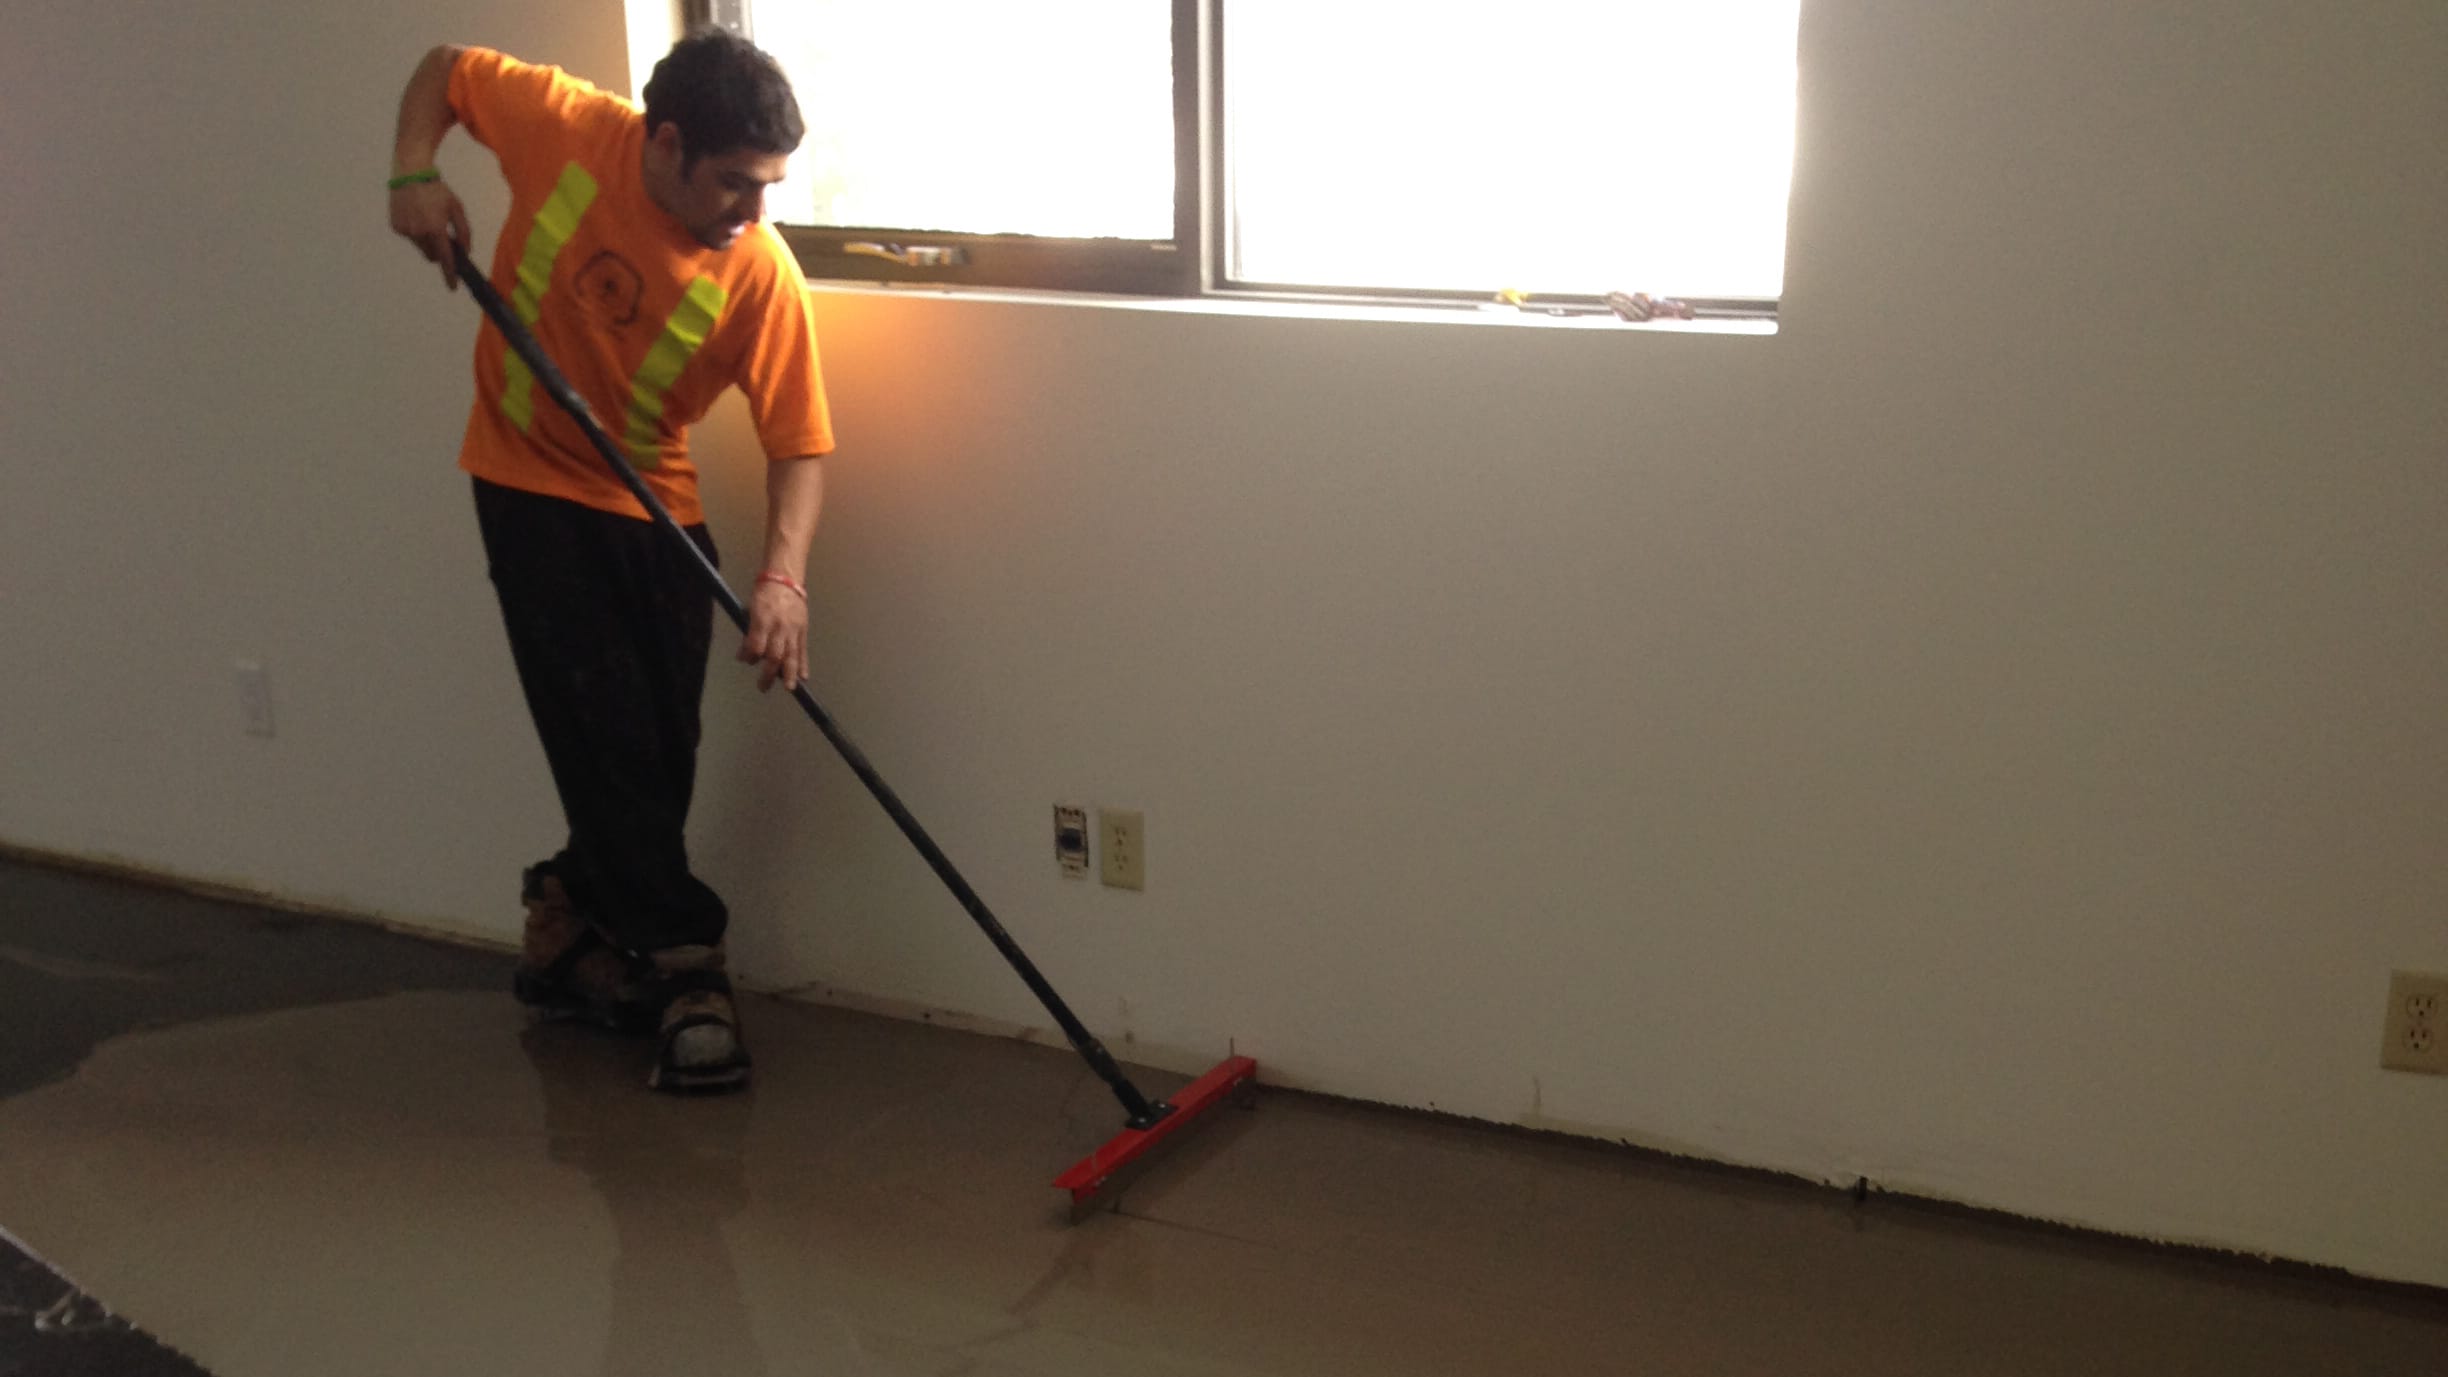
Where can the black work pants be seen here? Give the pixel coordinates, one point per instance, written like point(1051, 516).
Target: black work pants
point(610, 624)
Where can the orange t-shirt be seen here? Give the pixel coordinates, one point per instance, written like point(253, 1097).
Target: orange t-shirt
point(648, 325)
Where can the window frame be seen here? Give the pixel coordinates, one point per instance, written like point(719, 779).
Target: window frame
point(1195, 262)
point(1127, 267)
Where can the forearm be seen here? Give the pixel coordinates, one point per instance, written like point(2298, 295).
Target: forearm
point(425, 112)
point(794, 497)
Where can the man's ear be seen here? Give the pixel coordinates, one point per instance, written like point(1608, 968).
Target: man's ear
point(665, 140)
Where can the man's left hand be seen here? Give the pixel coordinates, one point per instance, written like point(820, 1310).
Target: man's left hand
point(777, 636)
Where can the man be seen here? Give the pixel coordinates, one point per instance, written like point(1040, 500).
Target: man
point(635, 252)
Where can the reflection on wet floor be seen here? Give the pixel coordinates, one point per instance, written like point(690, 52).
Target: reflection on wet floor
point(290, 1146)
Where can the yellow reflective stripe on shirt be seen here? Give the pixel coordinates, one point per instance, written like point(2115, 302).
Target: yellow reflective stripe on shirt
point(550, 233)
point(691, 321)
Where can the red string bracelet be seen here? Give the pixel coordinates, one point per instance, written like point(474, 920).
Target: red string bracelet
point(769, 576)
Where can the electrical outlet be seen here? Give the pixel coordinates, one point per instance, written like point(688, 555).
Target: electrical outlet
point(1123, 849)
point(254, 698)
point(1071, 841)
point(2417, 1025)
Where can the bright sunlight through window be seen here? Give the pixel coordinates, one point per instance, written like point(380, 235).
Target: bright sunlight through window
point(1562, 148)
point(979, 116)
point(1553, 146)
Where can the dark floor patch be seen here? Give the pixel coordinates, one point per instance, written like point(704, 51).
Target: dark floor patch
point(84, 960)
point(49, 1328)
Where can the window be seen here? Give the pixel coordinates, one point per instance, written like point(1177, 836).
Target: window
point(1359, 149)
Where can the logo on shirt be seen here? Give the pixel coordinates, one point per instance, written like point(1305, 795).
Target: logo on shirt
point(611, 287)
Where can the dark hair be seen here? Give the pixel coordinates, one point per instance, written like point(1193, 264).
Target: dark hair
point(725, 93)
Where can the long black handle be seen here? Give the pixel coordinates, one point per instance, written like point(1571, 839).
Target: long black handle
point(1141, 1112)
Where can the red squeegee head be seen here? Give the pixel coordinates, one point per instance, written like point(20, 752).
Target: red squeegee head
point(1092, 1172)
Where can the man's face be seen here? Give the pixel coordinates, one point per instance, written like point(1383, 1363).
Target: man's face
point(724, 194)
point(719, 196)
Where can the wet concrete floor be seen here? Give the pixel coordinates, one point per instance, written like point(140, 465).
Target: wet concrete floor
point(292, 1146)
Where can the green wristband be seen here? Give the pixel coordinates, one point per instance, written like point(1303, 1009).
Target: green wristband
point(430, 174)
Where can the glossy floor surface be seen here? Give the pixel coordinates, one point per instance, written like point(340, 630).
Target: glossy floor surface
point(296, 1146)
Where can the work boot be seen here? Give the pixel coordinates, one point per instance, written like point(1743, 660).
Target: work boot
point(568, 970)
point(701, 1048)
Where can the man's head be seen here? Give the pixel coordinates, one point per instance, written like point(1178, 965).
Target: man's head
point(720, 126)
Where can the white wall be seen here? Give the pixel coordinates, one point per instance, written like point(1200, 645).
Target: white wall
point(1985, 737)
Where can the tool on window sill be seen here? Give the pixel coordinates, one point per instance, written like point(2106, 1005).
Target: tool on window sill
point(912, 255)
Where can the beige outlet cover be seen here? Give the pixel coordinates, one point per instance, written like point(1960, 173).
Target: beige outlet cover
point(2416, 1036)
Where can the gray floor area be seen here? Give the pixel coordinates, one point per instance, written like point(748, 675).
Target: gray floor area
point(292, 1146)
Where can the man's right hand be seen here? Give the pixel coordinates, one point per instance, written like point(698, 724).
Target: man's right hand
point(428, 215)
